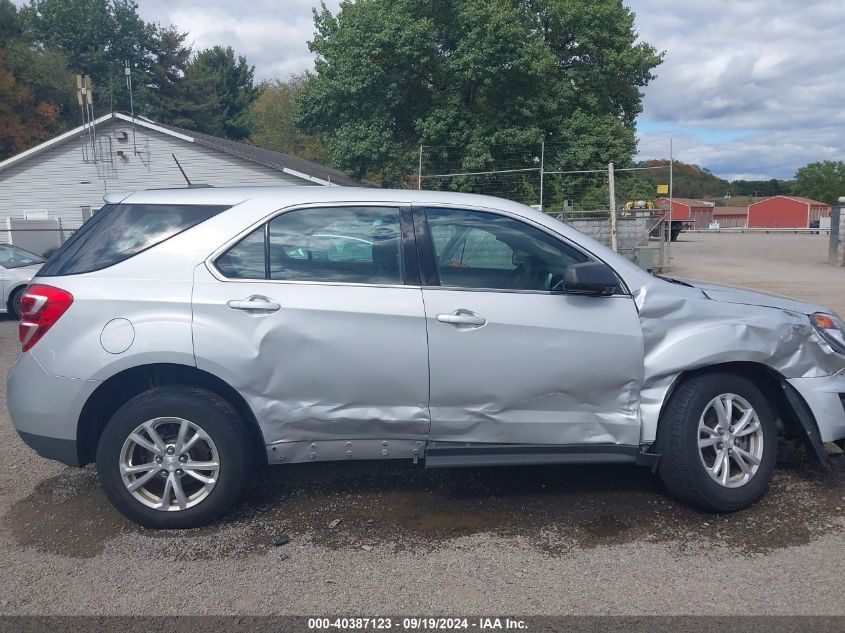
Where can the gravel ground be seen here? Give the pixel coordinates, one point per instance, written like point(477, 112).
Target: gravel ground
point(541, 540)
point(780, 263)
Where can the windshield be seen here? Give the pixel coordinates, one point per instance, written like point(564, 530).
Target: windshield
point(14, 257)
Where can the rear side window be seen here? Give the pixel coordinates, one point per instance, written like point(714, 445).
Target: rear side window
point(246, 259)
point(119, 231)
point(331, 244)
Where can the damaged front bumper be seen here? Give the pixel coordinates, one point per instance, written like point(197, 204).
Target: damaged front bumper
point(825, 398)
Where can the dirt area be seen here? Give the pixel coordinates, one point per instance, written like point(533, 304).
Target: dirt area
point(528, 540)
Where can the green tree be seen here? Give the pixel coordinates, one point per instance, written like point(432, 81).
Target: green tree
point(489, 76)
point(823, 181)
point(171, 99)
point(274, 121)
point(24, 121)
point(45, 73)
point(96, 37)
point(10, 24)
point(223, 88)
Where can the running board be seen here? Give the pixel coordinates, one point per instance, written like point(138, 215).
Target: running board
point(458, 454)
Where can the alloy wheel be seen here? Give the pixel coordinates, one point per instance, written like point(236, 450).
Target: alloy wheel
point(730, 440)
point(169, 464)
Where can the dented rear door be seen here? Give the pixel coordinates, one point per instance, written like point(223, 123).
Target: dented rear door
point(322, 360)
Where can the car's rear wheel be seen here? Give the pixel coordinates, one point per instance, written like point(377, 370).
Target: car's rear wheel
point(717, 439)
point(174, 457)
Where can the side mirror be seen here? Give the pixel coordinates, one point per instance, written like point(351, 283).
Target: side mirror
point(590, 278)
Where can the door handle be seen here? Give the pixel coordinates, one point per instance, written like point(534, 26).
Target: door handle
point(462, 317)
point(254, 304)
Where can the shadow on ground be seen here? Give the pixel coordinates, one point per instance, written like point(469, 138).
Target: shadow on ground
point(555, 508)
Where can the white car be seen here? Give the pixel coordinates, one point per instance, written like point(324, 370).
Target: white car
point(17, 268)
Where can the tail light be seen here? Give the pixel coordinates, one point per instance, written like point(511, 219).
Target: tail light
point(41, 307)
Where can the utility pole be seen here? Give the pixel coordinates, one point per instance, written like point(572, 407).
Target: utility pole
point(612, 186)
point(671, 173)
point(90, 99)
point(80, 97)
point(542, 170)
point(128, 74)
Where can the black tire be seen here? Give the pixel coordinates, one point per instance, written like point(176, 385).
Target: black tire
point(14, 306)
point(681, 467)
point(217, 418)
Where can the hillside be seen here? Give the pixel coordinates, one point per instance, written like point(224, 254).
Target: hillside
point(689, 181)
point(692, 181)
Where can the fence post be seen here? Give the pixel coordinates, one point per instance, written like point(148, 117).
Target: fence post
point(612, 187)
point(833, 251)
point(841, 232)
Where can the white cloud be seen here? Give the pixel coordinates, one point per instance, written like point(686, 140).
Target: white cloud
point(773, 70)
point(273, 35)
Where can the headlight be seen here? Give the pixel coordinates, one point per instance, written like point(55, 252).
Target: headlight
point(831, 328)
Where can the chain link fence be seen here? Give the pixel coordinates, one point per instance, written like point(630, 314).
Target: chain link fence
point(41, 237)
point(613, 205)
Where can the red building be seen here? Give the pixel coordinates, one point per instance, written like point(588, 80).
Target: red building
point(786, 212)
point(731, 217)
point(697, 211)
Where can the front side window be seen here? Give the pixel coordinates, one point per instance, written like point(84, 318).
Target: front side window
point(119, 231)
point(331, 244)
point(475, 249)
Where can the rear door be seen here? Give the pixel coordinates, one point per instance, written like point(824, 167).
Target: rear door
point(316, 317)
point(515, 361)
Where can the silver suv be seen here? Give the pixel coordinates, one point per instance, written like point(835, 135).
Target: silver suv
point(182, 337)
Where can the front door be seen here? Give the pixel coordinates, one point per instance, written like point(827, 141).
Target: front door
point(310, 319)
point(514, 360)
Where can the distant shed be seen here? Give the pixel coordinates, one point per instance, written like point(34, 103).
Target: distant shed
point(697, 211)
point(731, 217)
point(786, 212)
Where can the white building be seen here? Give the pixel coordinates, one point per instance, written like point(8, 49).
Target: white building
point(63, 180)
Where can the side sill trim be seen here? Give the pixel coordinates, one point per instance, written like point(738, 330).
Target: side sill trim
point(458, 454)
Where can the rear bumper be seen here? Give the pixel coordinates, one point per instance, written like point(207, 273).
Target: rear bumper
point(45, 409)
point(63, 451)
point(824, 396)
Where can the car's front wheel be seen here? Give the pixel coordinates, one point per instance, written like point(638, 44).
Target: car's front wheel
point(14, 306)
point(718, 440)
point(174, 457)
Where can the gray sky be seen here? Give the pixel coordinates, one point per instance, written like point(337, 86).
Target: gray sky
point(749, 88)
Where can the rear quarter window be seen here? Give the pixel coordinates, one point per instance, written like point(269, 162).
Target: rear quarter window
point(120, 231)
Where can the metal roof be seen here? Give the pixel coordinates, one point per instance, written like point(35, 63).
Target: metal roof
point(269, 158)
point(717, 211)
point(807, 201)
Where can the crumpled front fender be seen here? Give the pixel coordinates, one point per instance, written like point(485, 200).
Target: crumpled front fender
point(685, 330)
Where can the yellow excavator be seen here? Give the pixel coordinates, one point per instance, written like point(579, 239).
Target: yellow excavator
point(638, 204)
point(635, 207)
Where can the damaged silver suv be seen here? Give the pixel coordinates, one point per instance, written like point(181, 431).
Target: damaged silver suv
point(183, 337)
